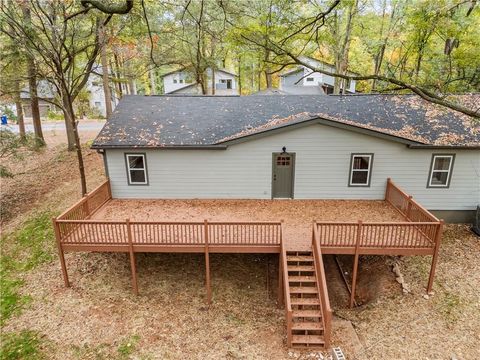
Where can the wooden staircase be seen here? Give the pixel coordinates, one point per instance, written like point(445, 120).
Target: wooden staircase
point(305, 324)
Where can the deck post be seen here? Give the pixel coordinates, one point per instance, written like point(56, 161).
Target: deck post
point(438, 238)
point(61, 255)
point(207, 265)
point(409, 207)
point(355, 263)
point(387, 189)
point(280, 268)
point(86, 208)
point(132, 258)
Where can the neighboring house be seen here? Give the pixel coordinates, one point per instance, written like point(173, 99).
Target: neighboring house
point(183, 82)
point(302, 79)
point(45, 92)
point(97, 96)
point(338, 147)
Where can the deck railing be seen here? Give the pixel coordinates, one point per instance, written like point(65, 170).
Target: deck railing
point(406, 205)
point(322, 287)
point(84, 208)
point(420, 229)
point(405, 235)
point(286, 288)
point(93, 232)
point(90, 203)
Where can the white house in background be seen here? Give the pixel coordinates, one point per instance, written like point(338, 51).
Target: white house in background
point(299, 147)
point(97, 96)
point(301, 79)
point(183, 82)
point(46, 94)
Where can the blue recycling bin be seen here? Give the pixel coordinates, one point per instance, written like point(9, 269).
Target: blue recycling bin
point(4, 119)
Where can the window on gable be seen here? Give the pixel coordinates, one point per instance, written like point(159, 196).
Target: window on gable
point(360, 169)
point(441, 171)
point(310, 79)
point(136, 169)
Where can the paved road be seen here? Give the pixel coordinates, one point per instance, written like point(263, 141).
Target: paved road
point(59, 126)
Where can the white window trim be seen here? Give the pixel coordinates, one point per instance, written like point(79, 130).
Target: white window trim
point(448, 171)
point(368, 171)
point(129, 169)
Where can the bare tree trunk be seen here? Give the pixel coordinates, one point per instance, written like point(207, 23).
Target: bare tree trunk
point(68, 119)
point(213, 81)
point(72, 124)
point(268, 76)
point(18, 105)
point(341, 58)
point(105, 72)
point(151, 75)
point(32, 82)
point(240, 75)
point(132, 89)
point(118, 75)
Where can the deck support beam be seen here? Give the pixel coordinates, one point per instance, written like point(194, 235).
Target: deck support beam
point(438, 237)
point(61, 254)
point(280, 280)
point(132, 258)
point(207, 266)
point(355, 263)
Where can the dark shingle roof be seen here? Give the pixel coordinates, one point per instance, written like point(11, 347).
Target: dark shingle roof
point(160, 121)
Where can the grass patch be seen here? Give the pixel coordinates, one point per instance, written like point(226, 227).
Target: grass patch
point(449, 305)
point(23, 250)
point(128, 346)
point(23, 345)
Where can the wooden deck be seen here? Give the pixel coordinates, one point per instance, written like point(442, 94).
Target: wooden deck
point(298, 230)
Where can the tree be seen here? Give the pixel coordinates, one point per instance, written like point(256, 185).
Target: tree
point(289, 48)
point(66, 40)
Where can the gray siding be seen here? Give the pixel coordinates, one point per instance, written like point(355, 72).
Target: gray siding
point(321, 170)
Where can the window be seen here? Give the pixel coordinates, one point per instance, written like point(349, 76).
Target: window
point(441, 171)
point(309, 78)
point(174, 81)
point(283, 160)
point(136, 169)
point(360, 169)
point(181, 81)
point(227, 81)
point(98, 104)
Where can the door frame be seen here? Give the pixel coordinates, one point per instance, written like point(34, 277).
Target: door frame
point(293, 155)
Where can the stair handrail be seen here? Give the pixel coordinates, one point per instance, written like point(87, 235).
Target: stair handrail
point(322, 286)
point(286, 287)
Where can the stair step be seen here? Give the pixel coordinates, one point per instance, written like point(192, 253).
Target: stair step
point(300, 268)
point(307, 325)
point(303, 290)
point(299, 258)
point(304, 301)
point(307, 313)
point(308, 339)
point(310, 279)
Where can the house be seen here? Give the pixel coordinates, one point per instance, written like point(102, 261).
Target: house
point(354, 174)
point(230, 145)
point(97, 96)
point(46, 94)
point(183, 82)
point(301, 79)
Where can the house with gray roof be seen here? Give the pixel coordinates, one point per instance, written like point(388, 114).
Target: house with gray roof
point(302, 80)
point(181, 82)
point(297, 147)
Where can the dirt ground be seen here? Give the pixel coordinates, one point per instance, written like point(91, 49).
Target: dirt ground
point(100, 318)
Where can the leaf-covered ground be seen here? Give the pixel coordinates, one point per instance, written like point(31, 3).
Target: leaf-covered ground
point(100, 318)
